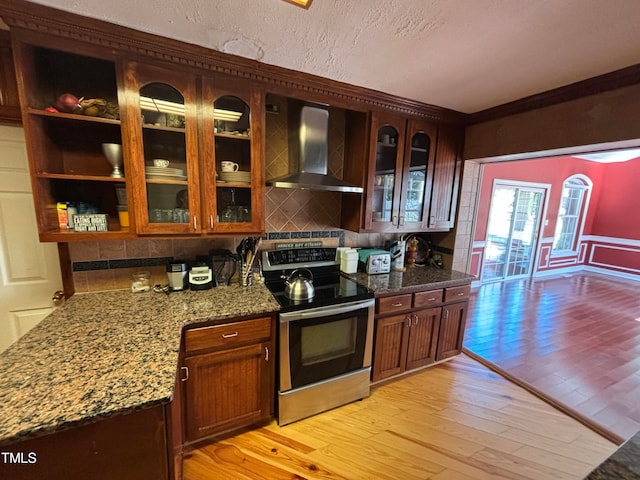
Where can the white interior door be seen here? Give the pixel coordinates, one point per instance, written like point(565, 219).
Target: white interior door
point(29, 270)
point(512, 232)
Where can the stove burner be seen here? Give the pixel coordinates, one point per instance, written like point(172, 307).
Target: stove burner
point(331, 287)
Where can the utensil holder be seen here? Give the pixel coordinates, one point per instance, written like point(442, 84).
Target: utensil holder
point(246, 277)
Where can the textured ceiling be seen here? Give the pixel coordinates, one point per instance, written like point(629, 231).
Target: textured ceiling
point(467, 55)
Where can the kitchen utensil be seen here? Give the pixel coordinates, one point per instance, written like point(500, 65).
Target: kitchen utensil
point(298, 286)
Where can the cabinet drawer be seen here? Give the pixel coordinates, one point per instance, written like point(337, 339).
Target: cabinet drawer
point(395, 304)
point(453, 294)
point(227, 334)
point(425, 299)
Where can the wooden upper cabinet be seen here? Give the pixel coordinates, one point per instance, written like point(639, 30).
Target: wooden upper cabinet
point(232, 134)
point(161, 143)
point(401, 174)
point(9, 100)
point(195, 134)
point(446, 179)
point(65, 142)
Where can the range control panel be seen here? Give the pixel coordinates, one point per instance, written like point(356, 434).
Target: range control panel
point(296, 256)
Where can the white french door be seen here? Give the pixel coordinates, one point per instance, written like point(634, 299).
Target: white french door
point(513, 229)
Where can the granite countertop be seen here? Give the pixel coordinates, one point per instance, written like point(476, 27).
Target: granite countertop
point(623, 464)
point(107, 353)
point(413, 279)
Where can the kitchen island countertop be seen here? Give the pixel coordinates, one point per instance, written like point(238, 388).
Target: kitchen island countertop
point(107, 353)
point(412, 280)
point(623, 464)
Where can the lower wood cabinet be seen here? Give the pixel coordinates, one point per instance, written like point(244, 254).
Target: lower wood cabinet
point(131, 446)
point(409, 335)
point(228, 377)
point(452, 325)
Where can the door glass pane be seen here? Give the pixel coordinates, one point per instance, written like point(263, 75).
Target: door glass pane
point(165, 160)
point(232, 132)
point(414, 201)
point(386, 154)
point(512, 232)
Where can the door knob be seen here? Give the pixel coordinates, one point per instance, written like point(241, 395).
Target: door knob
point(58, 298)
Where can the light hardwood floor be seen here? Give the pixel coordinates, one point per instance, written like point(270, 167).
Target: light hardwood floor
point(575, 339)
point(457, 420)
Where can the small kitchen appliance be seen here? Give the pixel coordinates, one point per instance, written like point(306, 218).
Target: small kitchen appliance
point(200, 277)
point(374, 260)
point(177, 274)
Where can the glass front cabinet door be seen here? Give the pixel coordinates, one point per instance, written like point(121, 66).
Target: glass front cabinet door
point(417, 176)
point(387, 139)
point(164, 149)
point(400, 187)
point(232, 153)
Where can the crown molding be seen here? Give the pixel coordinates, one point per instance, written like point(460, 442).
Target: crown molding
point(591, 86)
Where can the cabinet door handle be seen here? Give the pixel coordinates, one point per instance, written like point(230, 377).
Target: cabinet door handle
point(229, 335)
point(266, 354)
point(195, 222)
point(445, 314)
point(415, 319)
point(396, 304)
point(394, 220)
point(432, 299)
point(185, 377)
point(461, 294)
point(211, 222)
point(408, 320)
point(401, 220)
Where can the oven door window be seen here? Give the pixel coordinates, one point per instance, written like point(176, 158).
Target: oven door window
point(322, 348)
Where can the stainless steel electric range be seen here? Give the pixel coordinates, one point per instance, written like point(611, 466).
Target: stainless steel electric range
point(324, 342)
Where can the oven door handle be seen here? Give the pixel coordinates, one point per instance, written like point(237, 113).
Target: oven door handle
point(326, 311)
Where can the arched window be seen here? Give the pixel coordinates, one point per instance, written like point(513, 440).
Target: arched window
point(576, 191)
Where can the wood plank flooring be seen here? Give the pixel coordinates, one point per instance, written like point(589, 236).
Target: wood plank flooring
point(457, 420)
point(574, 339)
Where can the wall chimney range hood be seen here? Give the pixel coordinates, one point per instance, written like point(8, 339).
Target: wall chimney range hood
point(308, 154)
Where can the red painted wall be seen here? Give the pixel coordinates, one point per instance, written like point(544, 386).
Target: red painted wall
point(553, 171)
point(617, 212)
point(614, 208)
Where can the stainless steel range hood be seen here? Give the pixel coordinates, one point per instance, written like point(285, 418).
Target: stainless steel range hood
point(309, 153)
